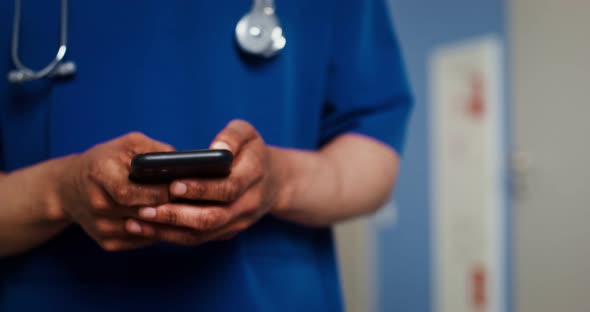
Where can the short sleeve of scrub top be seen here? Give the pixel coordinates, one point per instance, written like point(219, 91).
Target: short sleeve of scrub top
point(367, 91)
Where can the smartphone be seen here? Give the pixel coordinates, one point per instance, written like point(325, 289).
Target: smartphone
point(154, 168)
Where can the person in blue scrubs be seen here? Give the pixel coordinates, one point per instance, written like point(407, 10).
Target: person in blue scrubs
point(316, 132)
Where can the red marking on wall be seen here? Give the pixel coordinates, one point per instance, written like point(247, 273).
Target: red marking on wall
point(478, 287)
point(476, 101)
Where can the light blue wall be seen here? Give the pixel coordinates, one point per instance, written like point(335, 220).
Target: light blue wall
point(404, 251)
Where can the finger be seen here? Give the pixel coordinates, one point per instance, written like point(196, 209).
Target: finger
point(126, 193)
point(127, 243)
point(200, 218)
point(248, 170)
point(166, 233)
point(112, 175)
point(139, 143)
point(109, 227)
point(188, 237)
point(135, 143)
point(234, 136)
point(103, 207)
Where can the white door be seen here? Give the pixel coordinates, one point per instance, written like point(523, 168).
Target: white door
point(551, 95)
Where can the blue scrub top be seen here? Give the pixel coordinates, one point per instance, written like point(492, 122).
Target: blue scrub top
point(170, 69)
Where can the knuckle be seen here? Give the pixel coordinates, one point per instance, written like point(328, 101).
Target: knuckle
point(230, 190)
point(125, 156)
point(122, 194)
point(98, 169)
point(109, 164)
point(252, 208)
point(197, 190)
point(149, 230)
point(94, 170)
point(104, 226)
point(239, 227)
point(178, 237)
point(156, 197)
point(241, 124)
point(190, 239)
point(99, 204)
point(135, 136)
point(244, 127)
point(207, 221)
point(257, 171)
point(235, 129)
point(111, 245)
point(169, 216)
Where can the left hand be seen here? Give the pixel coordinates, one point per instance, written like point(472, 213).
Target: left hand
point(243, 197)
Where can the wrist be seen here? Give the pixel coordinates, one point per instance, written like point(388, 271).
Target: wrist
point(58, 186)
point(283, 177)
point(300, 175)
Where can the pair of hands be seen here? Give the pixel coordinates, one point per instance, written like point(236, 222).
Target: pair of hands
point(121, 215)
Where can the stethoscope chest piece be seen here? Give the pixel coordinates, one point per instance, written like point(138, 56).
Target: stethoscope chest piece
point(259, 31)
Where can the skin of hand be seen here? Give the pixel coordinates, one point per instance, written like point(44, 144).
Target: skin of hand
point(97, 194)
point(351, 175)
point(310, 188)
point(248, 193)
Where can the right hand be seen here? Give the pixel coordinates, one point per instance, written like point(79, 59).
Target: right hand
point(99, 197)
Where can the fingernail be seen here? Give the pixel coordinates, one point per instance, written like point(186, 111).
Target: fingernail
point(179, 188)
point(133, 227)
point(220, 145)
point(147, 213)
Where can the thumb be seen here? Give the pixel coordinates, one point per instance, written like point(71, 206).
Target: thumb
point(235, 136)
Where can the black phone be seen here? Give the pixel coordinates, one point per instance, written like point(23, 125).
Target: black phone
point(165, 167)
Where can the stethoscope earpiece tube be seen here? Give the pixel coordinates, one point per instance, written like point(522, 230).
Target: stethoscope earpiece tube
point(258, 33)
point(57, 67)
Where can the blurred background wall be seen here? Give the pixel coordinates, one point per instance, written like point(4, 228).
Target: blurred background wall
point(550, 67)
point(386, 260)
point(404, 252)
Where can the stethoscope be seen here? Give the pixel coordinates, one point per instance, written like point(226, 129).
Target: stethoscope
point(258, 33)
